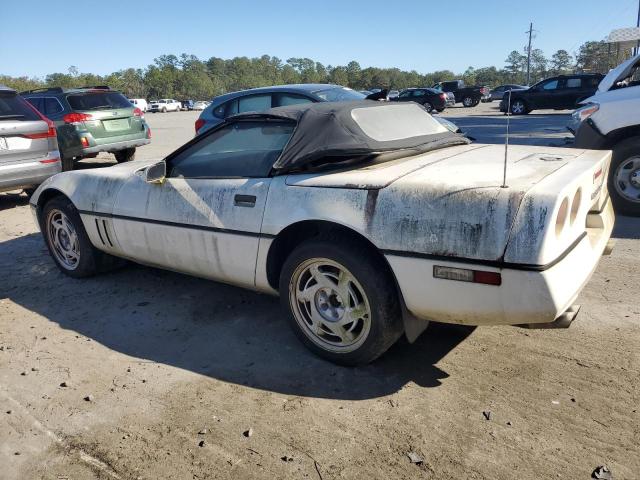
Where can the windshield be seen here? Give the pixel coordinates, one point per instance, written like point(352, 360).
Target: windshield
point(98, 101)
point(339, 94)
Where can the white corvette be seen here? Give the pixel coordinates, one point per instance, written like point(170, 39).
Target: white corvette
point(368, 218)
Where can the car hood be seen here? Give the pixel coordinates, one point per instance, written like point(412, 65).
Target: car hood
point(618, 73)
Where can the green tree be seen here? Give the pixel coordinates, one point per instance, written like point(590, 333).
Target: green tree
point(561, 62)
point(515, 65)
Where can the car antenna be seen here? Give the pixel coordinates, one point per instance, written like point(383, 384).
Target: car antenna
point(506, 143)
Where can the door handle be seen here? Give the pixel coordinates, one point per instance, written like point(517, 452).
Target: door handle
point(244, 200)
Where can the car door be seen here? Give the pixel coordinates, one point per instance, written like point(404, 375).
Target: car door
point(404, 96)
point(572, 89)
point(205, 218)
point(545, 94)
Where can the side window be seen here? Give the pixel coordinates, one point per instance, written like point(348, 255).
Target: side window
point(405, 94)
point(592, 82)
point(241, 149)
point(552, 85)
point(499, 89)
point(284, 99)
point(254, 103)
point(52, 106)
point(37, 102)
point(573, 83)
point(417, 93)
point(220, 110)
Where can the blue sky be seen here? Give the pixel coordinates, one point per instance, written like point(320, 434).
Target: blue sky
point(39, 37)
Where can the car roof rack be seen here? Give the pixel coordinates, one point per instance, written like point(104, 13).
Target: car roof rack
point(94, 87)
point(44, 89)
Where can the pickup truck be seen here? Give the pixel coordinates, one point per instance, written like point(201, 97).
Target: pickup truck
point(165, 105)
point(468, 96)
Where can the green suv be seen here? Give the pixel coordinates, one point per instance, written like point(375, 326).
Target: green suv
point(90, 120)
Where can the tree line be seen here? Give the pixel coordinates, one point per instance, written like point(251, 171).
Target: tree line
point(186, 76)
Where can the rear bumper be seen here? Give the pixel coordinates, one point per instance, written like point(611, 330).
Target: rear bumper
point(26, 174)
point(116, 146)
point(526, 296)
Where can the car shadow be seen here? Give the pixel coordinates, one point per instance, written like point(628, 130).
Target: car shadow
point(13, 199)
point(208, 328)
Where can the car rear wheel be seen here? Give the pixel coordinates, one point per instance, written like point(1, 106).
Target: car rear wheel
point(428, 106)
point(164, 110)
point(67, 163)
point(518, 107)
point(68, 242)
point(624, 179)
point(126, 155)
point(343, 304)
point(469, 102)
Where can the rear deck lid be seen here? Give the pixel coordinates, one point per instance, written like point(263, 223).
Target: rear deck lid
point(110, 113)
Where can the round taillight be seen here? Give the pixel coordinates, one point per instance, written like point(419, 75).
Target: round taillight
point(575, 206)
point(561, 219)
point(137, 112)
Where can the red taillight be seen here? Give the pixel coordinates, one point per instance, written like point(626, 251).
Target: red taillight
point(76, 117)
point(51, 132)
point(488, 278)
point(148, 132)
point(50, 160)
point(84, 141)
point(137, 112)
point(443, 96)
point(467, 275)
point(199, 124)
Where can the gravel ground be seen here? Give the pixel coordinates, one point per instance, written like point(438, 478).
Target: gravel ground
point(149, 374)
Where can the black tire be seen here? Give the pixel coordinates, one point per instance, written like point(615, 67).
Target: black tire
point(375, 280)
point(428, 106)
point(515, 109)
point(440, 110)
point(622, 152)
point(164, 110)
point(469, 101)
point(126, 155)
point(67, 163)
point(91, 260)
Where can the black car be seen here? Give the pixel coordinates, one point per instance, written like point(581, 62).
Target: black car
point(430, 98)
point(559, 93)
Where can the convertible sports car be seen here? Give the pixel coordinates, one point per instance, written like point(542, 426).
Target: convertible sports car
point(369, 219)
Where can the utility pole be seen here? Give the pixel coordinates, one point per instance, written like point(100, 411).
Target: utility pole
point(530, 32)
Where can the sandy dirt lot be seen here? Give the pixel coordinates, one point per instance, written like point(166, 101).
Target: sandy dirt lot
point(147, 374)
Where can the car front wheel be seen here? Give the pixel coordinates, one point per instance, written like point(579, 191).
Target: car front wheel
point(68, 242)
point(343, 304)
point(624, 179)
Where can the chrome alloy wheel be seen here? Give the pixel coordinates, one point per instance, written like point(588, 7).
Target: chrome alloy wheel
point(517, 107)
point(63, 239)
point(330, 305)
point(467, 101)
point(627, 179)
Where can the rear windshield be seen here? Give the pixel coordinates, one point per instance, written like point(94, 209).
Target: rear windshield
point(339, 94)
point(13, 107)
point(98, 101)
point(396, 122)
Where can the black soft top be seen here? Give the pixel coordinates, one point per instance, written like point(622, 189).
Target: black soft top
point(334, 131)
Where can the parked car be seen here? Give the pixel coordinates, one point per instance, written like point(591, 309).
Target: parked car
point(199, 105)
point(468, 96)
point(141, 103)
point(28, 144)
point(430, 98)
point(393, 93)
point(90, 120)
point(559, 93)
point(498, 92)
point(264, 98)
point(165, 105)
point(260, 99)
point(368, 218)
point(187, 105)
point(451, 99)
point(610, 120)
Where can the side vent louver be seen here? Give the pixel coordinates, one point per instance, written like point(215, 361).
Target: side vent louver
point(106, 233)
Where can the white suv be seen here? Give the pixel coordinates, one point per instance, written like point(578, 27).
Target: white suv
point(165, 105)
point(610, 120)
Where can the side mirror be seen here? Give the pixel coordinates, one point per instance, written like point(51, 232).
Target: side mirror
point(155, 173)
